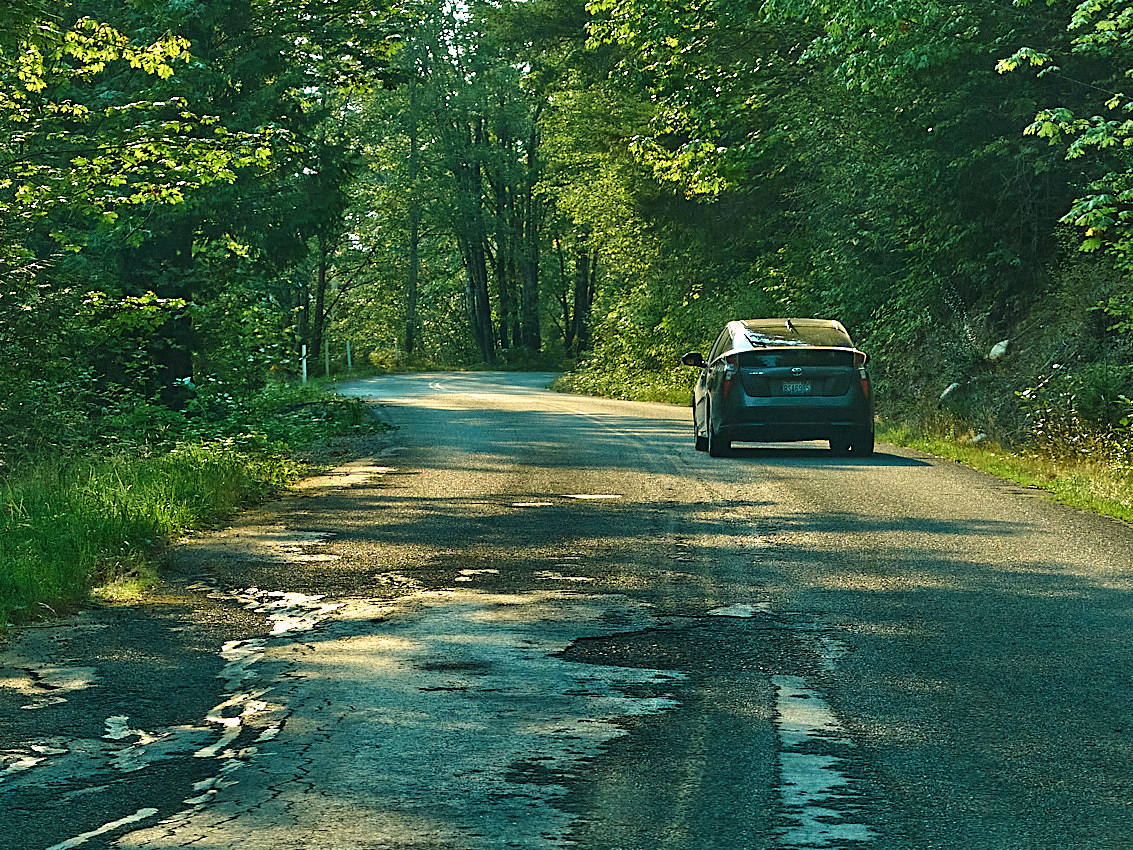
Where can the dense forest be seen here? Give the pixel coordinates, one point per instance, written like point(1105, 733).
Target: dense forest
point(196, 193)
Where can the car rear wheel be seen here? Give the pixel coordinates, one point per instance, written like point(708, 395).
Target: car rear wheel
point(840, 445)
point(717, 447)
point(862, 444)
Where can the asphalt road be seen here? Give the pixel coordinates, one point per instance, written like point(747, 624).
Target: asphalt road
point(545, 621)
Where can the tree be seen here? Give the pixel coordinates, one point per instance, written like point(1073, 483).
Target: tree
point(1092, 122)
point(295, 70)
point(112, 130)
point(466, 105)
point(871, 146)
point(61, 154)
point(89, 136)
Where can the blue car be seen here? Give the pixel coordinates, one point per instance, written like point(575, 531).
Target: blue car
point(783, 380)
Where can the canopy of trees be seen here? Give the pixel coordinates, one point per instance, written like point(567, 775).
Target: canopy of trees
point(205, 189)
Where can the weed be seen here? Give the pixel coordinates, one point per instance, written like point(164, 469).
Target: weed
point(670, 386)
point(1093, 482)
point(71, 521)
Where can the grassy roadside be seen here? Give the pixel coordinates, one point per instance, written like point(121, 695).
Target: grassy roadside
point(624, 382)
point(88, 526)
point(72, 527)
point(1078, 469)
point(1094, 484)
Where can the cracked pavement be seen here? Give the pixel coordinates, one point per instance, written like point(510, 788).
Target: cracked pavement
point(538, 621)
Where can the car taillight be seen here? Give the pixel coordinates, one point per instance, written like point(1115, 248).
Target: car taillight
point(730, 368)
point(860, 359)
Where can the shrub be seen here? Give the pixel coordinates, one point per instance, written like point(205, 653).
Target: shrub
point(87, 515)
point(1081, 412)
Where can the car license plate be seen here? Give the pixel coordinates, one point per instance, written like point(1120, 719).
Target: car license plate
point(796, 388)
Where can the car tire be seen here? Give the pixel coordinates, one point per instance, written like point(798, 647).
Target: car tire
point(840, 445)
point(717, 447)
point(862, 444)
point(701, 443)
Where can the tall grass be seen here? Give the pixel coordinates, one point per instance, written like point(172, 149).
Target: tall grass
point(85, 516)
point(68, 525)
point(671, 386)
point(1096, 477)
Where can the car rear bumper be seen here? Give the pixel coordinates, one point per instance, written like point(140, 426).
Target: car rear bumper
point(786, 420)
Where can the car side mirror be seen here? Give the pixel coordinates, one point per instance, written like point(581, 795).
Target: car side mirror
point(693, 358)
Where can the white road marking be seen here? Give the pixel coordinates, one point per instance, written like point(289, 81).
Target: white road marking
point(741, 611)
point(815, 793)
point(469, 575)
point(78, 840)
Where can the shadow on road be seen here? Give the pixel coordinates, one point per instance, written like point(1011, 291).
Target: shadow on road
point(787, 452)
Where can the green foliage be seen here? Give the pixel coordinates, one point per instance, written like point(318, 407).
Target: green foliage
point(276, 418)
point(1120, 308)
point(861, 161)
point(62, 151)
point(669, 386)
point(99, 511)
point(1081, 411)
point(71, 378)
point(1097, 129)
point(66, 526)
point(173, 180)
point(244, 336)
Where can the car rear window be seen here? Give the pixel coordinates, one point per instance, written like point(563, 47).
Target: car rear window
point(798, 334)
point(780, 357)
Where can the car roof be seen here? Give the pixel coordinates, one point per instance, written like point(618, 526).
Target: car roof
point(826, 333)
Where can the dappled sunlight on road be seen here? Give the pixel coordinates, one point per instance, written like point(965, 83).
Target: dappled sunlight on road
point(541, 621)
point(438, 698)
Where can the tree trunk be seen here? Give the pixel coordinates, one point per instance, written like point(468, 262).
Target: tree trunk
point(530, 225)
point(412, 284)
point(413, 281)
point(528, 272)
point(472, 232)
point(317, 323)
point(565, 304)
point(585, 276)
point(479, 308)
